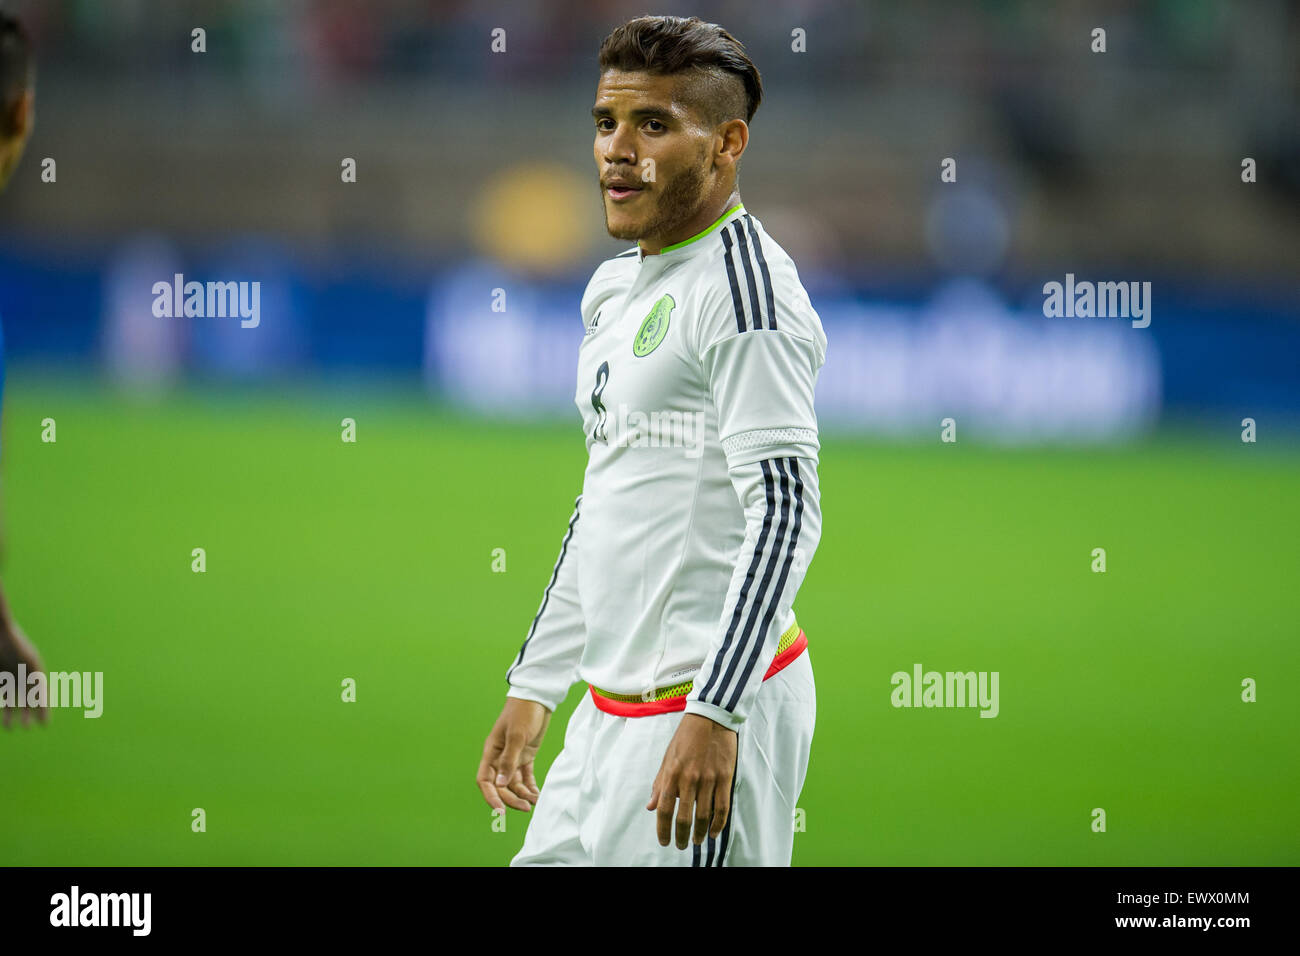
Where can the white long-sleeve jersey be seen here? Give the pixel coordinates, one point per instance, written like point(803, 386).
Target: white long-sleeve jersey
point(699, 511)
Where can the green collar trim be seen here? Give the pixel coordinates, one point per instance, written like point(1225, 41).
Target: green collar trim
point(695, 238)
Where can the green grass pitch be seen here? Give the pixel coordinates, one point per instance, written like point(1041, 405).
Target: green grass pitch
point(373, 561)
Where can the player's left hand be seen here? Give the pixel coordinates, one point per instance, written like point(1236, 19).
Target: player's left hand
point(696, 775)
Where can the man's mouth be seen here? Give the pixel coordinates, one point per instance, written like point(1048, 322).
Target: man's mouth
point(619, 192)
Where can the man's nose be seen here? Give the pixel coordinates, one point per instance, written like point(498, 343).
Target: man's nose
point(620, 147)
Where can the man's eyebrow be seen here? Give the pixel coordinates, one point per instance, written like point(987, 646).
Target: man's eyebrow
point(644, 112)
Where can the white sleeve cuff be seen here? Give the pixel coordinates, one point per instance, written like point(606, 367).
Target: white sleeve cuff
point(524, 694)
point(749, 447)
point(715, 714)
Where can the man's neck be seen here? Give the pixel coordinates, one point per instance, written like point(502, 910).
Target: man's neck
point(706, 217)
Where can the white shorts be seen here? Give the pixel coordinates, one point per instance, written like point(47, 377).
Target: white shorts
point(591, 811)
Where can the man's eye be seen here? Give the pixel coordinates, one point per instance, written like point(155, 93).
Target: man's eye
point(656, 123)
point(600, 124)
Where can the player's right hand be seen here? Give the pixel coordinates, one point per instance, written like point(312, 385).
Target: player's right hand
point(505, 775)
point(16, 649)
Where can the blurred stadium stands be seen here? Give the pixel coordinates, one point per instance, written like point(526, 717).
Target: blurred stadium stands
point(474, 173)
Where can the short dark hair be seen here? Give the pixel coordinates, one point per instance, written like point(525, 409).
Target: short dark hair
point(665, 46)
point(15, 65)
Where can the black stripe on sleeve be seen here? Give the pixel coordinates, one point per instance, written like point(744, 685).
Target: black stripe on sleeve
point(743, 243)
point(738, 653)
point(779, 590)
point(750, 574)
point(735, 286)
point(762, 266)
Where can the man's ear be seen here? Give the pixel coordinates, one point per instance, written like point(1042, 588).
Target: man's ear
point(733, 138)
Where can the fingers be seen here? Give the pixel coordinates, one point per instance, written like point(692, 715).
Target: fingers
point(25, 716)
point(498, 798)
point(721, 807)
point(703, 812)
point(26, 656)
point(695, 813)
point(685, 819)
point(701, 808)
point(520, 788)
point(508, 762)
point(510, 794)
point(511, 799)
point(664, 815)
point(530, 781)
point(484, 778)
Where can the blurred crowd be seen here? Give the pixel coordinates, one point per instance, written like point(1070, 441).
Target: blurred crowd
point(1066, 156)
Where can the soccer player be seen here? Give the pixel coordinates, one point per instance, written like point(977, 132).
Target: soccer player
point(15, 126)
point(699, 513)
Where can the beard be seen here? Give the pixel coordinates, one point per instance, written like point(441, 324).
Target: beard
point(678, 201)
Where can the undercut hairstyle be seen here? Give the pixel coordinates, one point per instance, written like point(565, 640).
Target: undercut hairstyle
point(722, 82)
point(15, 67)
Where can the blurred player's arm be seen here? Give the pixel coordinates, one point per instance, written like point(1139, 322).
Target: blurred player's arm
point(762, 382)
point(16, 116)
point(538, 680)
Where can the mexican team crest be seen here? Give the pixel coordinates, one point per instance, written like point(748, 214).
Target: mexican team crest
point(654, 328)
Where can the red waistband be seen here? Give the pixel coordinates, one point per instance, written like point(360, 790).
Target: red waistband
point(669, 705)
